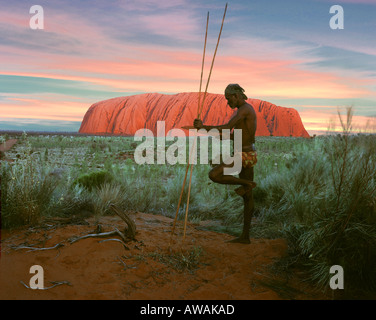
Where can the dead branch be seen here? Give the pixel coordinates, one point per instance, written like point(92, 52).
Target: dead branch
point(125, 265)
point(95, 235)
point(38, 249)
point(55, 284)
point(118, 240)
point(121, 235)
point(130, 231)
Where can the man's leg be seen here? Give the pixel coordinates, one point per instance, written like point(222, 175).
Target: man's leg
point(246, 180)
point(246, 174)
point(216, 175)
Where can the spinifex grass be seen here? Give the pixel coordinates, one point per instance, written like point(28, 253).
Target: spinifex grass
point(27, 189)
point(188, 260)
point(324, 204)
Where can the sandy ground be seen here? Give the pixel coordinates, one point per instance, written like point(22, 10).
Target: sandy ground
point(154, 266)
point(92, 269)
point(7, 145)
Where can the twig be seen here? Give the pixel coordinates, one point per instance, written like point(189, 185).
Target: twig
point(116, 232)
point(38, 249)
point(95, 235)
point(125, 265)
point(55, 284)
point(118, 240)
point(121, 235)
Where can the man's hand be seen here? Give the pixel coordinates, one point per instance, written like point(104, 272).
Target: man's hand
point(197, 123)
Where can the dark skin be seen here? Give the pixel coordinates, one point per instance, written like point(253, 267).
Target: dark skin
point(244, 119)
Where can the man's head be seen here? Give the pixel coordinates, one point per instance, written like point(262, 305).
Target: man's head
point(235, 95)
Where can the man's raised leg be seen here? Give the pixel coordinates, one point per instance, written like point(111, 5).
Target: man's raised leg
point(248, 209)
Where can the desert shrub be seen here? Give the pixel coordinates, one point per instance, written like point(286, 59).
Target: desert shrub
point(329, 209)
point(93, 180)
point(27, 189)
point(188, 260)
point(347, 231)
point(76, 200)
point(106, 195)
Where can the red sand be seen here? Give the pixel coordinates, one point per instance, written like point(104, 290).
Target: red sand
point(107, 270)
point(7, 145)
point(94, 270)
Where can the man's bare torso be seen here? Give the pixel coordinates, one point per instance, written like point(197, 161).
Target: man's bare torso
point(248, 126)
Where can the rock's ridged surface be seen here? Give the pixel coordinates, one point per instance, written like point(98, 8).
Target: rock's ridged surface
point(125, 115)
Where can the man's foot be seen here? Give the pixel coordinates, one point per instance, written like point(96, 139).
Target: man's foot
point(243, 190)
point(240, 240)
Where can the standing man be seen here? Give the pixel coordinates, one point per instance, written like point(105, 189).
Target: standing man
point(245, 120)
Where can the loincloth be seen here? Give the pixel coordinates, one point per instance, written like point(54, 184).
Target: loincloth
point(249, 159)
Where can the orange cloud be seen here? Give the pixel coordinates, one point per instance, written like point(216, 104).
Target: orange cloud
point(180, 73)
point(43, 109)
point(284, 79)
point(321, 118)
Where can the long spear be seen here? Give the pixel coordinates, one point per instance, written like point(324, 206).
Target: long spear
point(199, 100)
point(211, 67)
point(198, 117)
point(202, 64)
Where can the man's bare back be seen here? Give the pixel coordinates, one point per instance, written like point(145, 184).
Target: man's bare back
point(247, 124)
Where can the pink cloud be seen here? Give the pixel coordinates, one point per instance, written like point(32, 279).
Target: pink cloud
point(284, 79)
point(178, 71)
point(179, 25)
point(53, 108)
point(9, 18)
point(321, 118)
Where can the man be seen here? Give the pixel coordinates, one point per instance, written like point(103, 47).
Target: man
point(245, 119)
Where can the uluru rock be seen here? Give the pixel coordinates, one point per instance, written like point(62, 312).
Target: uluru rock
point(125, 115)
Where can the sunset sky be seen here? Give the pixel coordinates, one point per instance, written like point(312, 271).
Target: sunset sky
point(283, 52)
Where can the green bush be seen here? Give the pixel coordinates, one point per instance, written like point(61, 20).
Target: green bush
point(327, 209)
point(94, 180)
point(27, 190)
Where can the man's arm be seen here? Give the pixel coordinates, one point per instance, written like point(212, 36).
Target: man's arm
point(240, 115)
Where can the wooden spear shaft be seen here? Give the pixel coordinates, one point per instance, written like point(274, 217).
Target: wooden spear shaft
point(198, 116)
point(202, 66)
point(182, 189)
point(200, 107)
point(189, 193)
point(212, 64)
point(199, 100)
